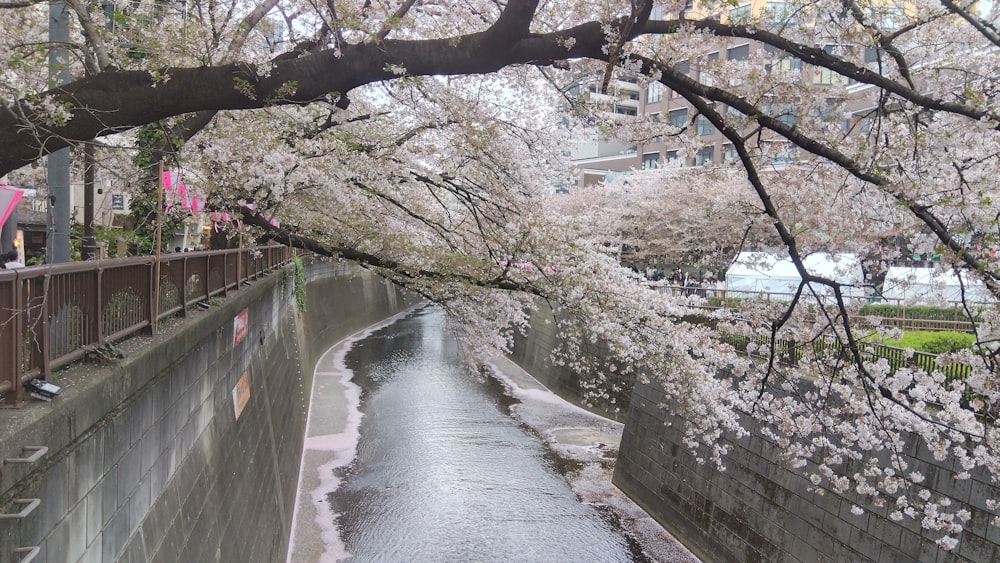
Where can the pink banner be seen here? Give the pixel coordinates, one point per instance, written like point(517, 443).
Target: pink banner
point(8, 201)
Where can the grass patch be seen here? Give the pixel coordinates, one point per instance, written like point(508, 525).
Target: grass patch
point(933, 341)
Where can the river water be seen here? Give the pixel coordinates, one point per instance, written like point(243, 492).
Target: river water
point(443, 469)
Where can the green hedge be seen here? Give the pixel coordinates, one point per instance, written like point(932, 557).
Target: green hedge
point(923, 312)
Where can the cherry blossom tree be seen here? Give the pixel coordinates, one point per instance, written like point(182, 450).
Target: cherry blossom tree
point(424, 140)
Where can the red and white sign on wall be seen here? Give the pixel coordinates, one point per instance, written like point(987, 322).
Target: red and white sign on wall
point(241, 394)
point(241, 325)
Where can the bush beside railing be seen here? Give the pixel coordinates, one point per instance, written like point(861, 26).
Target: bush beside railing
point(52, 315)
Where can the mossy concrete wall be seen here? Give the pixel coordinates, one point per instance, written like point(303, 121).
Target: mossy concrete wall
point(147, 460)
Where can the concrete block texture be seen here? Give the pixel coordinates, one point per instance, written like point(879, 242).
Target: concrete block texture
point(148, 460)
point(759, 510)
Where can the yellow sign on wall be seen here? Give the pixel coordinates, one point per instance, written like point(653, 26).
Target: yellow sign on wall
point(241, 394)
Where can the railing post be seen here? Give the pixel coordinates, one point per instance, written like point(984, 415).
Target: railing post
point(183, 286)
point(18, 316)
point(225, 273)
point(44, 324)
point(97, 324)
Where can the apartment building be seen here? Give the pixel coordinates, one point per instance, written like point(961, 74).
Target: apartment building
point(604, 159)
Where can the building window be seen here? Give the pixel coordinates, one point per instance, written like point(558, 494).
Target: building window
point(739, 15)
point(118, 202)
point(703, 126)
point(674, 158)
point(740, 53)
point(650, 161)
point(785, 113)
point(679, 117)
point(706, 77)
point(684, 68)
point(831, 112)
point(729, 153)
point(653, 92)
point(779, 14)
point(779, 61)
point(875, 60)
point(625, 110)
point(827, 76)
point(704, 156)
point(886, 17)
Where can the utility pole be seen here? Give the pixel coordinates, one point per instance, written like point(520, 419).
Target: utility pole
point(57, 171)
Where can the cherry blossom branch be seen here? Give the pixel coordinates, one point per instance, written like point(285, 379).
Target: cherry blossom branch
point(988, 30)
point(287, 236)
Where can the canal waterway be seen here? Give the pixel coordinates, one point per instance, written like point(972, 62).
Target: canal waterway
point(437, 462)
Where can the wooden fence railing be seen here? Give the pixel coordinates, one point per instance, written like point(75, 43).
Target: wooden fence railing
point(52, 315)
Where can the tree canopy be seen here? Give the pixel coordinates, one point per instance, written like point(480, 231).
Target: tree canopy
point(426, 139)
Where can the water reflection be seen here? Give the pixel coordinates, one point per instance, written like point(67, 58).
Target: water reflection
point(442, 473)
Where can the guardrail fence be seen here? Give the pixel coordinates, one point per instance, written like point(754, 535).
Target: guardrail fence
point(55, 314)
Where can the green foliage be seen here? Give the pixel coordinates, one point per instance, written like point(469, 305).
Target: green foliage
point(927, 344)
point(104, 353)
point(300, 284)
point(933, 342)
point(923, 312)
point(101, 235)
point(143, 206)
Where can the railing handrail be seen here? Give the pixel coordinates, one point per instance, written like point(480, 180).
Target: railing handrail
point(52, 314)
point(955, 309)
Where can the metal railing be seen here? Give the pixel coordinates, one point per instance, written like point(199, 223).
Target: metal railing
point(52, 315)
point(950, 315)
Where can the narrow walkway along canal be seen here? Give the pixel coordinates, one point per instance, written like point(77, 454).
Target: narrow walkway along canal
point(438, 469)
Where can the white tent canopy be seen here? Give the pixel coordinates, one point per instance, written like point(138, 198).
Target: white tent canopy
point(772, 273)
point(932, 286)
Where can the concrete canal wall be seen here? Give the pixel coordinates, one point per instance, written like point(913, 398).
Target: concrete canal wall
point(187, 450)
point(757, 509)
point(533, 352)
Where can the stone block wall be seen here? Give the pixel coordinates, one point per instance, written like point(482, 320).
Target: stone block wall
point(758, 510)
point(147, 460)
